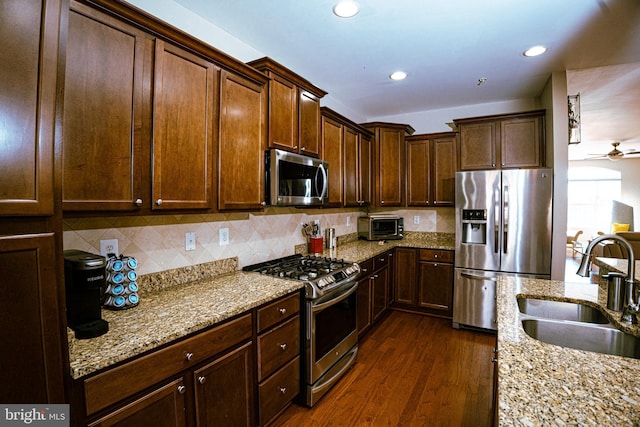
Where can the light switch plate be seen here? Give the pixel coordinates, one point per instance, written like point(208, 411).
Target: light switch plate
point(190, 241)
point(224, 236)
point(108, 246)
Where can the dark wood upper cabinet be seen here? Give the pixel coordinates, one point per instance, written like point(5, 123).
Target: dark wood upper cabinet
point(28, 72)
point(431, 169)
point(332, 143)
point(502, 141)
point(389, 162)
point(294, 109)
point(184, 109)
point(106, 126)
point(242, 142)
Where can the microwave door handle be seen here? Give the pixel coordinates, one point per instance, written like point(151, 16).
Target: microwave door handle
point(324, 181)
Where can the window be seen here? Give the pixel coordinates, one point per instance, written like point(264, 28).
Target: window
point(590, 193)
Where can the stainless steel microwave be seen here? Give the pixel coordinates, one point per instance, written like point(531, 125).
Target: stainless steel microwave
point(380, 227)
point(295, 180)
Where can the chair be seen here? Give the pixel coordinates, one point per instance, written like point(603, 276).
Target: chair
point(574, 244)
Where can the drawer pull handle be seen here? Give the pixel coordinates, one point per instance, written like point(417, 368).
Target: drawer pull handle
point(282, 311)
point(181, 389)
point(283, 390)
point(202, 380)
point(283, 347)
point(188, 356)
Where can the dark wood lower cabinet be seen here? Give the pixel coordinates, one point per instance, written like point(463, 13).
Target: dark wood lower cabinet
point(162, 407)
point(423, 281)
point(373, 291)
point(223, 390)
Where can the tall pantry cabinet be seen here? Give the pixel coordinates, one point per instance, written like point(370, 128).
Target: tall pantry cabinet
point(32, 324)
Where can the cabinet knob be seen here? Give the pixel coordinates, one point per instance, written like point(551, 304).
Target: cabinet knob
point(364, 270)
point(283, 390)
point(283, 346)
point(181, 389)
point(138, 202)
point(159, 202)
point(295, 147)
point(494, 360)
point(435, 265)
point(188, 356)
point(282, 311)
point(263, 203)
point(382, 202)
point(436, 256)
point(303, 148)
point(202, 379)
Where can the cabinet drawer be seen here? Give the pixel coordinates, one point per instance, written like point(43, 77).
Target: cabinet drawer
point(280, 389)
point(380, 261)
point(123, 381)
point(436, 255)
point(277, 311)
point(278, 346)
point(366, 267)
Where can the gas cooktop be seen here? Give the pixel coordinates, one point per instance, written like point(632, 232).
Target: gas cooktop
point(320, 274)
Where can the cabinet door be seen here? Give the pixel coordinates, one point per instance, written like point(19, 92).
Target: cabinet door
point(243, 114)
point(283, 113)
point(162, 407)
point(477, 149)
point(521, 142)
point(351, 169)
point(390, 158)
point(224, 390)
point(418, 173)
point(364, 166)
point(28, 71)
point(103, 114)
point(436, 287)
point(443, 171)
point(183, 120)
point(380, 293)
point(30, 313)
point(405, 281)
point(332, 152)
point(309, 127)
point(364, 304)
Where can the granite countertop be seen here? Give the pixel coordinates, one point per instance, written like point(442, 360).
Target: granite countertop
point(542, 384)
point(168, 314)
point(362, 250)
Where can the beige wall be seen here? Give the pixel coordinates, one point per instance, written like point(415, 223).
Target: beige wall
point(158, 242)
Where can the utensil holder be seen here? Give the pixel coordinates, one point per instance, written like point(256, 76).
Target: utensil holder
point(316, 245)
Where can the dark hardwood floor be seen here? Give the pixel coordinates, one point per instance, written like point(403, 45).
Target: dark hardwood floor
point(412, 370)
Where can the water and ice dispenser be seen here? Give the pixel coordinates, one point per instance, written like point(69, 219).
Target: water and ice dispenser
point(474, 226)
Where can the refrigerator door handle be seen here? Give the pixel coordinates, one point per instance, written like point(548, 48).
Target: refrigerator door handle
point(496, 219)
point(505, 219)
point(475, 277)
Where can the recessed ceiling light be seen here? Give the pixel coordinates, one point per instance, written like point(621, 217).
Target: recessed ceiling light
point(346, 9)
point(398, 75)
point(535, 51)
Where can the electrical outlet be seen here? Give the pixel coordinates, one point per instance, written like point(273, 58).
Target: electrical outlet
point(416, 219)
point(108, 246)
point(190, 241)
point(224, 236)
point(348, 221)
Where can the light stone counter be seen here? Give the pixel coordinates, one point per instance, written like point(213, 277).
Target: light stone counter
point(168, 314)
point(362, 250)
point(541, 384)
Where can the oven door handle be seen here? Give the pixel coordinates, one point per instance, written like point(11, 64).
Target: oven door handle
point(332, 301)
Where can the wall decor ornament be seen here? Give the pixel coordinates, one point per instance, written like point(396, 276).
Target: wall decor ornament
point(574, 118)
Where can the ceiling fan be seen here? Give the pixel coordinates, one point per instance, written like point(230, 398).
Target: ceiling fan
point(616, 154)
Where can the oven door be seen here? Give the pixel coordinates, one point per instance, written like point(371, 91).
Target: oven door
point(331, 329)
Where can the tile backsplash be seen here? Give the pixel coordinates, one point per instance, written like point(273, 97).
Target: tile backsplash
point(158, 242)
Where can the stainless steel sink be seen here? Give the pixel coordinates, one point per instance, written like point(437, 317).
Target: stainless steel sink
point(560, 310)
point(584, 336)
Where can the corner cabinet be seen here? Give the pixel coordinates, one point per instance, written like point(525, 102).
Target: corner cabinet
point(34, 357)
point(242, 142)
point(294, 109)
point(431, 169)
point(502, 141)
point(389, 162)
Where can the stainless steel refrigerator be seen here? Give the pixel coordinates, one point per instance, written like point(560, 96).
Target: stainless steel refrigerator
point(503, 226)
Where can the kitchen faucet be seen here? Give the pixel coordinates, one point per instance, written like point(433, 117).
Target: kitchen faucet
point(631, 308)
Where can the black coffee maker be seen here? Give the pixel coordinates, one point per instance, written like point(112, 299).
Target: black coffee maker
point(84, 278)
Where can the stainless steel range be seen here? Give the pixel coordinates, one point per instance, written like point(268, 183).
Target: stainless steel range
point(329, 318)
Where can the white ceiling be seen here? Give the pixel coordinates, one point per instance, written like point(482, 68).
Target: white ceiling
point(446, 46)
